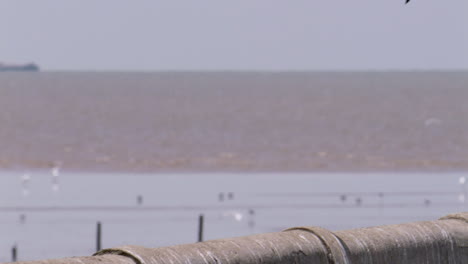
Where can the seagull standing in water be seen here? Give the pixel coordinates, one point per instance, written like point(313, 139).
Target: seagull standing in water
point(55, 180)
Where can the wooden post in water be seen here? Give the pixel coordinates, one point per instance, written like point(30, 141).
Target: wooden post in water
point(98, 236)
point(200, 228)
point(14, 253)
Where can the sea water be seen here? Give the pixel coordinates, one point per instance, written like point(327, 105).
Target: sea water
point(162, 130)
point(156, 122)
point(50, 216)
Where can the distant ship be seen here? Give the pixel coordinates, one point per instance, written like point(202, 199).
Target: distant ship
point(29, 67)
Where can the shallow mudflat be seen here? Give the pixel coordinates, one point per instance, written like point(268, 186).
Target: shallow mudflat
point(234, 121)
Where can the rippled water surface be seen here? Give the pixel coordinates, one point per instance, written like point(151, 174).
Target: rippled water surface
point(234, 121)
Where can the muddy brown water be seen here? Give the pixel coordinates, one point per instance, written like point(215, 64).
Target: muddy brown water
point(159, 122)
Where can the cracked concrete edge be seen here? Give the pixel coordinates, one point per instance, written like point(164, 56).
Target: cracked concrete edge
point(133, 252)
point(335, 249)
point(458, 216)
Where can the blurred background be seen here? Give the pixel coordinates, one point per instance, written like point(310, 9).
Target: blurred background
point(257, 115)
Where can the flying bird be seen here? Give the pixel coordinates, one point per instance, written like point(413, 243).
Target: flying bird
point(407, 1)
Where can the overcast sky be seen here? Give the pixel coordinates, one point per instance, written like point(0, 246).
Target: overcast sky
point(235, 35)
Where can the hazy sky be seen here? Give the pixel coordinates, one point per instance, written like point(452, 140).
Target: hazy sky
point(235, 35)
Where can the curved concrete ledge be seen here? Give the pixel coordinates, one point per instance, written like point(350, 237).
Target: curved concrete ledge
point(336, 252)
point(444, 241)
point(295, 246)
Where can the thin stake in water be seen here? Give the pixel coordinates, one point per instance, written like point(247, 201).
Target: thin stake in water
point(98, 236)
point(200, 227)
point(14, 253)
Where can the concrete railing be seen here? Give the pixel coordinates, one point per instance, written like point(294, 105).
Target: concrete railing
point(441, 241)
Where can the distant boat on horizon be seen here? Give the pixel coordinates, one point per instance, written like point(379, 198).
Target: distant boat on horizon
point(28, 67)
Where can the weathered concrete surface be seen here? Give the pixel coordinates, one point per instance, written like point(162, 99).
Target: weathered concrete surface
point(285, 247)
point(444, 241)
point(107, 259)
